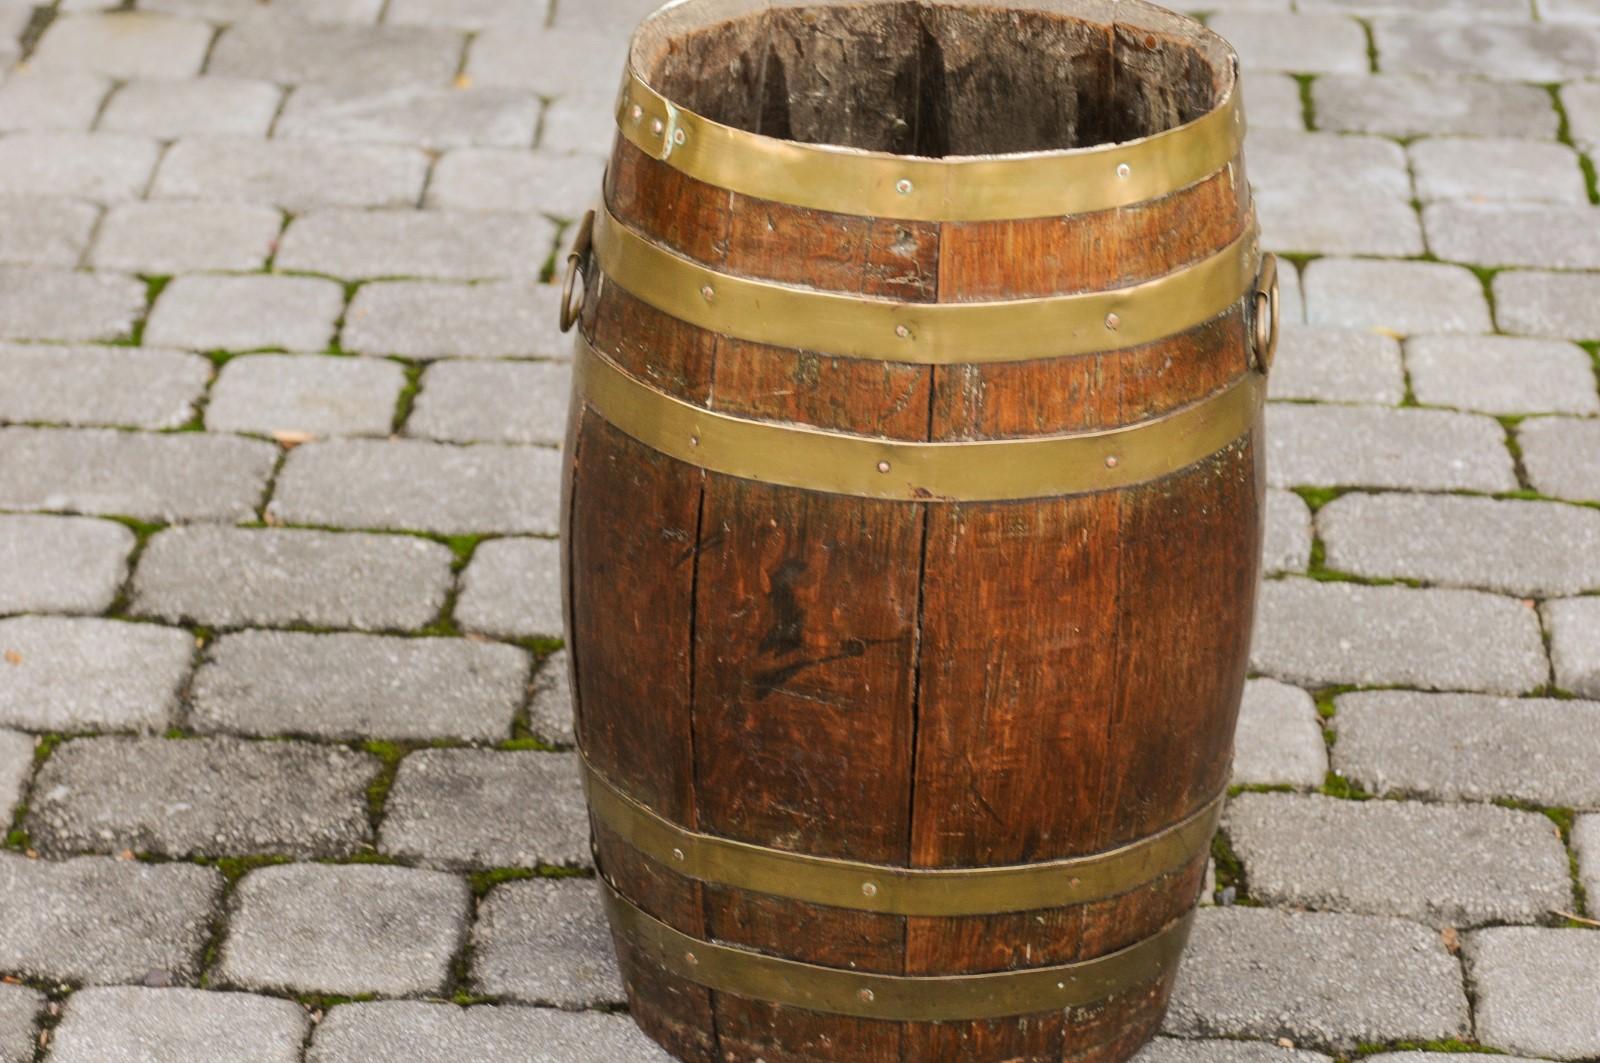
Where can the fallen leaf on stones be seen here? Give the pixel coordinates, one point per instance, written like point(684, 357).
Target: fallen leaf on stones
point(11, 979)
point(1580, 920)
point(1451, 939)
point(31, 854)
point(1391, 333)
point(126, 854)
point(463, 81)
point(1284, 1042)
point(13, 657)
point(288, 440)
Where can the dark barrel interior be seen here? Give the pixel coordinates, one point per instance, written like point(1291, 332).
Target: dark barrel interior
point(937, 78)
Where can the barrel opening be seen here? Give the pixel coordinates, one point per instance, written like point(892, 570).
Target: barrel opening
point(938, 78)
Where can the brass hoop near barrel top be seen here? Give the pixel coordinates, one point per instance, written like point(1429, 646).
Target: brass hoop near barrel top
point(893, 890)
point(853, 326)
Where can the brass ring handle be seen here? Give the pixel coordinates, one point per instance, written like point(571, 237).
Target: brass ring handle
point(572, 297)
point(1265, 331)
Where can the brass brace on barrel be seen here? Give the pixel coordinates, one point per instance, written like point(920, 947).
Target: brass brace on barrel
point(899, 890)
point(895, 997)
point(958, 188)
point(870, 467)
point(855, 326)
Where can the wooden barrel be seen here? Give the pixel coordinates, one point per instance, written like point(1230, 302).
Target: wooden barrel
point(913, 518)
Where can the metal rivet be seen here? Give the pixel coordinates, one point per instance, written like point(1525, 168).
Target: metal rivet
point(883, 466)
point(691, 959)
point(867, 996)
point(1124, 171)
point(869, 889)
point(1111, 462)
point(657, 126)
point(903, 186)
point(679, 137)
point(694, 441)
point(677, 854)
point(636, 113)
point(708, 293)
point(1113, 322)
point(903, 331)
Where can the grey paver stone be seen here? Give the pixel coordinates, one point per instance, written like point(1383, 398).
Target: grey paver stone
point(1288, 537)
point(404, 1032)
point(61, 564)
point(76, 385)
point(1534, 549)
point(345, 930)
point(578, 125)
point(1536, 303)
point(435, 118)
point(1574, 626)
point(1400, 297)
point(292, 51)
point(1454, 747)
point(1582, 104)
point(178, 1026)
point(201, 107)
point(230, 577)
point(315, 11)
point(1568, 10)
point(1314, 223)
point(86, 674)
point(1562, 456)
point(98, 921)
point(165, 477)
point(1321, 979)
point(550, 62)
point(167, 238)
point(1502, 375)
point(474, 809)
point(19, 1013)
point(605, 13)
point(1298, 44)
point(39, 231)
point(457, 245)
point(1371, 446)
point(468, 14)
point(295, 176)
point(1515, 234)
point(1337, 365)
point(1441, 9)
point(124, 44)
point(1327, 164)
point(1316, 633)
point(493, 402)
point(1177, 1050)
point(545, 941)
point(342, 686)
point(487, 179)
point(1414, 105)
point(16, 765)
point(1586, 843)
point(1275, 103)
point(305, 393)
point(1538, 990)
point(513, 588)
point(50, 304)
point(416, 486)
point(1279, 742)
point(51, 99)
point(215, 312)
point(1436, 1057)
point(420, 319)
point(1510, 51)
point(1443, 865)
point(550, 707)
point(1476, 169)
point(201, 797)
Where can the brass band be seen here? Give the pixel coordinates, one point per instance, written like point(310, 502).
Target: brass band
point(959, 188)
point(899, 890)
point(871, 467)
point(895, 997)
point(855, 326)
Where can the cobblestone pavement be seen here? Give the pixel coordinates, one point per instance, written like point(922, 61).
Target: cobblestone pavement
point(285, 739)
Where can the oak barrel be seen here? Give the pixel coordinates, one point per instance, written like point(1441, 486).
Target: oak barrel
point(913, 503)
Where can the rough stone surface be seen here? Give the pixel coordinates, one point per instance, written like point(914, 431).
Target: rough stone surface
point(1303, 222)
point(229, 578)
point(548, 62)
point(1533, 549)
point(168, 238)
point(513, 588)
point(204, 107)
point(417, 319)
point(1582, 104)
point(1454, 747)
point(1298, 44)
point(1279, 741)
point(1526, 51)
point(468, 14)
point(124, 386)
point(131, 44)
point(562, 186)
point(291, 51)
point(19, 1012)
point(1502, 375)
point(178, 1026)
point(1317, 634)
point(1556, 236)
point(578, 126)
point(1337, 365)
point(475, 809)
point(1562, 456)
point(1275, 103)
point(339, 686)
point(429, 117)
point(1395, 297)
point(403, 1032)
point(16, 765)
point(1319, 979)
point(201, 797)
point(1446, 866)
point(36, 231)
point(550, 708)
point(1327, 164)
point(345, 930)
point(544, 941)
point(1176, 1050)
point(1409, 106)
point(291, 175)
point(1432, 450)
point(51, 99)
point(85, 674)
point(1532, 303)
point(418, 486)
point(1478, 168)
point(66, 305)
point(305, 394)
point(98, 921)
point(146, 476)
point(1574, 626)
point(1586, 843)
point(246, 313)
point(1538, 990)
point(1288, 545)
point(493, 402)
point(61, 564)
point(460, 246)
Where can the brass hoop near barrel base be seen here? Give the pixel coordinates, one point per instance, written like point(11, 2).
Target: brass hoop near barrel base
point(892, 890)
point(757, 976)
